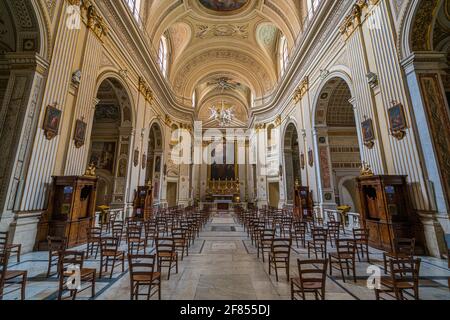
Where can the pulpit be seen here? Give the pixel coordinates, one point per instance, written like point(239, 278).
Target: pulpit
point(143, 202)
point(70, 212)
point(385, 210)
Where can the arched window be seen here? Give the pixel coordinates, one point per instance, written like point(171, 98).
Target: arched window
point(135, 7)
point(283, 55)
point(163, 55)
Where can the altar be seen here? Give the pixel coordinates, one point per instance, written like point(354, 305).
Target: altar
point(223, 202)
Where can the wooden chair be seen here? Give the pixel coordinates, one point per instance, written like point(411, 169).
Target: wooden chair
point(258, 227)
point(55, 246)
point(135, 241)
point(361, 240)
point(162, 226)
point(333, 231)
point(117, 230)
point(344, 257)
point(265, 242)
point(280, 255)
point(286, 227)
point(13, 277)
point(151, 232)
point(71, 263)
point(312, 279)
point(109, 252)
point(404, 276)
point(319, 243)
point(12, 248)
point(403, 248)
point(179, 236)
point(94, 238)
point(300, 228)
point(167, 254)
point(143, 273)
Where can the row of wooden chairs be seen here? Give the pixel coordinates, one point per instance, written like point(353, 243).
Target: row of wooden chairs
point(145, 269)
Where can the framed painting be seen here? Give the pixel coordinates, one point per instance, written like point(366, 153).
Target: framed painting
point(397, 121)
point(144, 161)
point(158, 164)
point(368, 133)
point(136, 158)
point(52, 121)
point(80, 133)
point(311, 158)
point(103, 155)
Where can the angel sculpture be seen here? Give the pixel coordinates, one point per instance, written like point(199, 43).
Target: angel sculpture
point(214, 113)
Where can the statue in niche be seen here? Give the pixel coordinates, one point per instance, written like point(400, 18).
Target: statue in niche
point(76, 77)
point(122, 168)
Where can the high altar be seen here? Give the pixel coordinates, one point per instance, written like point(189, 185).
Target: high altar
point(223, 186)
point(223, 193)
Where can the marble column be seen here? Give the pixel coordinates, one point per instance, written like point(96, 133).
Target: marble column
point(18, 120)
point(423, 73)
point(43, 156)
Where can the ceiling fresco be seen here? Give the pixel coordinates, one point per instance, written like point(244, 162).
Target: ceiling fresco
point(224, 5)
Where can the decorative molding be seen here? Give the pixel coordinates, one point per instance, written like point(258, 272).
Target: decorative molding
point(94, 20)
point(145, 90)
point(301, 90)
point(222, 30)
point(353, 20)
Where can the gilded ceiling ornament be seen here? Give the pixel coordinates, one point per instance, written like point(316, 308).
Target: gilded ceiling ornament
point(301, 90)
point(222, 30)
point(145, 90)
point(223, 115)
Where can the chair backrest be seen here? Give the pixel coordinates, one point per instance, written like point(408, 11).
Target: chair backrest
point(150, 226)
point(405, 245)
point(165, 245)
point(4, 255)
point(405, 269)
point(110, 244)
point(56, 243)
point(267, 235)
point(281, 247)
point(300, 226)
point(319, 235)
point(71, 258)
point(345, 246)
point(361, 234)
point(94, 233)
point(312, 271)
point(142, 264)
point(3, 239)
point(134, 232)
point(179, 233)
point(334, 228)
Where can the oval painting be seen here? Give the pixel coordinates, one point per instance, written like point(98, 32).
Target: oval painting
point(224, 5)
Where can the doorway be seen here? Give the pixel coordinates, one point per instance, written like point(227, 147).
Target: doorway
point(172, 194)
point(274, 194)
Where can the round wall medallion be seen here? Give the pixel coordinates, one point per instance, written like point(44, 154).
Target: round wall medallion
point(328, 196)
point(322, 140)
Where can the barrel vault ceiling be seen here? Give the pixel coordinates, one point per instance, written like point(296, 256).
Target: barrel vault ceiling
point(223, 50)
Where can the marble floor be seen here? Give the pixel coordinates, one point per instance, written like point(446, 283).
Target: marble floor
point(223, 265)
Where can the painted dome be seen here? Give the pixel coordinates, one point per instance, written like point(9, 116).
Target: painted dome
point(224, 5)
